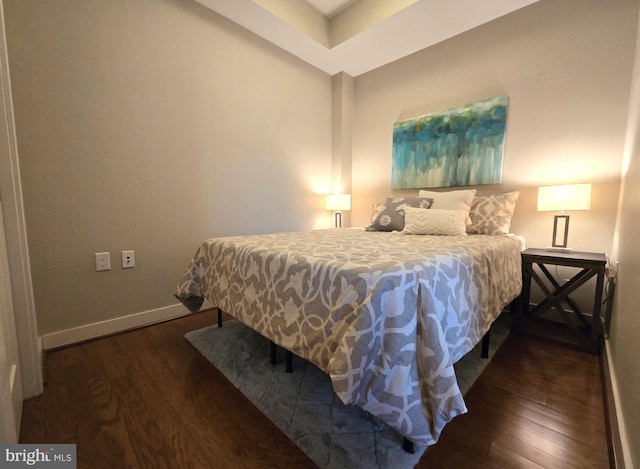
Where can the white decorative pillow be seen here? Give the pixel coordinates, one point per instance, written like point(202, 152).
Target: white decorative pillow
point(491, 215)
point(451, 200)
point(419, 221)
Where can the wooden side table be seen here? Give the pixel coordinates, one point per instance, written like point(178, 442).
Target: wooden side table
point(575, 328)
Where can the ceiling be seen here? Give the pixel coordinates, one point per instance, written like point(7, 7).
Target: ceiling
point(356, 36)
point(330, 8)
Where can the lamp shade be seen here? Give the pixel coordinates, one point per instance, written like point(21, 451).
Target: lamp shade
point(564, 197)
point(337, 202)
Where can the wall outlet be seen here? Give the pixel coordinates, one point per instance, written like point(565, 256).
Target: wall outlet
point(103, 261)
point(128, 259)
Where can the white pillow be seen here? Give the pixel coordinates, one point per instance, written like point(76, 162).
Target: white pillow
point(420, 221)
point(451, 200)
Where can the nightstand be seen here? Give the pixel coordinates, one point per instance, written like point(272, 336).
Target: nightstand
point(573, 327)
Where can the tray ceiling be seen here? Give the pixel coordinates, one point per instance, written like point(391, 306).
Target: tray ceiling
point(356, 36)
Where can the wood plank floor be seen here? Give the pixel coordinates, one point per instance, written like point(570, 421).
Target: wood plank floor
point(147, 399)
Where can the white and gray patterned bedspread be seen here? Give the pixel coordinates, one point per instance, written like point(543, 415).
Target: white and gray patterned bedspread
point(386, 315)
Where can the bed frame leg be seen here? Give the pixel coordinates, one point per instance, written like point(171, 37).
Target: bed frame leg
point(408, 446)
point(289, 364)
point(288, 357)
point(485, 344)
point(219, 317)
point(274, 351)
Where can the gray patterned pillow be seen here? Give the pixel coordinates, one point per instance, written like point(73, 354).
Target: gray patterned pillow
point(391, 215)
point(491, 215)
point(375, 211)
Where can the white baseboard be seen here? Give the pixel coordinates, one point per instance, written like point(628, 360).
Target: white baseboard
point(627, 461)
point(111, 326)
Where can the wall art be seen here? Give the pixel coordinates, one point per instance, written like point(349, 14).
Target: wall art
point(462, 146)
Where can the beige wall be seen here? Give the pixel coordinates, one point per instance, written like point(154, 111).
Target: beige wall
point(624, 349)
point(566, 68)
point(152, 125)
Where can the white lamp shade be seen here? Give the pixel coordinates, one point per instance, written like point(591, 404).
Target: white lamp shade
point(564, 198)
point(338, 202)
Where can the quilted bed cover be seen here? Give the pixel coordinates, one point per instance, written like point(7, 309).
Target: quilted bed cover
point(386, 315)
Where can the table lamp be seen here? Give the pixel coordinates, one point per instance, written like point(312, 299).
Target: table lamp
point(563, 198)
point(338, 203)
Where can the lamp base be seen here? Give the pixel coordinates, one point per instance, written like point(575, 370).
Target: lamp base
point(558, 249)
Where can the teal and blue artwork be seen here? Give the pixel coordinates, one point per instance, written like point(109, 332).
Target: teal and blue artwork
point(462, 146)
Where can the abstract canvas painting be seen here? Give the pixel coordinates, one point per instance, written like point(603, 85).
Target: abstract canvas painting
point(461, 146)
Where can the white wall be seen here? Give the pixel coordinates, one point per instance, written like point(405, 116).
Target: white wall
point(152, 125)
point(624, 350)
point(566, 68)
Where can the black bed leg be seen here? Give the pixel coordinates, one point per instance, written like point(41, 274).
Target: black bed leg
point(289, 364)
point(219, 317)
point(274, 351)
point(407, 445)
point(485, 344)
point(288, 357)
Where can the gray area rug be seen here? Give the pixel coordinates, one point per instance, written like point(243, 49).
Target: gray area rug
point(303, 405)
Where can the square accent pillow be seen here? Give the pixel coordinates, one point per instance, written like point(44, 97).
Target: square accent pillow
point(418, 221)
point(491, 215)
point(391, 215)
point(451, 200)
point(375, 211)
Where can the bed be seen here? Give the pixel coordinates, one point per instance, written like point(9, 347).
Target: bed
point(383, 313)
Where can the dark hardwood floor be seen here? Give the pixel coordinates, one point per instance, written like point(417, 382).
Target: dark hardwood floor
point(147, 399)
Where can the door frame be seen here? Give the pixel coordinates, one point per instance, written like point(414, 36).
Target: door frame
point(29, 349)
point(11, 394)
